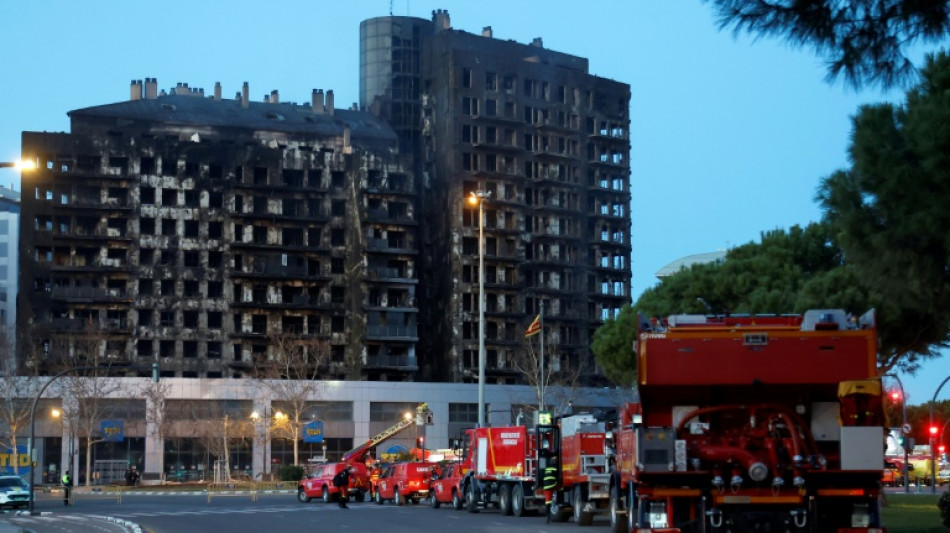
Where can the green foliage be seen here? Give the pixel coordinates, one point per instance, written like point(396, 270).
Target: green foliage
point(862, 40)
point(944, 505)
point(613, 347)
point(788, 271)
point(889, 213)
point(290, 473)
point(911, 513)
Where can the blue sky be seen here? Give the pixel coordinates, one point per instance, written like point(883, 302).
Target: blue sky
point(730, 136)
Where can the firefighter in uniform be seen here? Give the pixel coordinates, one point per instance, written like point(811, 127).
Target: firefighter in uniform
point(548, 484)
point(549, 473)
point(67, 486)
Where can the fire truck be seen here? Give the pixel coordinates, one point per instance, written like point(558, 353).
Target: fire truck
point(752, 423)
point(502, 465)
point(319, 484)
point(584, 472)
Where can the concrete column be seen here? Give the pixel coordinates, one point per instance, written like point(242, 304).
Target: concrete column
point(361, 432)
point(154, 446)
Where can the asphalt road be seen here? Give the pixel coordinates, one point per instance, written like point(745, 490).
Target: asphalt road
point(277, 513)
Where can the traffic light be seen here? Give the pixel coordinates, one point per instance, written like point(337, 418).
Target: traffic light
point(941, 448)
point(933, 431)
point(896, 395)
point(420, 441)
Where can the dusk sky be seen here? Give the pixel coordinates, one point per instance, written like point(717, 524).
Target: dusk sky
point(729, 136)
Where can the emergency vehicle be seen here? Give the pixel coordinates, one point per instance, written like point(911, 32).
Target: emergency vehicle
point(752, 423)
point(404, 482)
point(447, 487)
point(583, 468)
point(319, 483)
point(503, 465)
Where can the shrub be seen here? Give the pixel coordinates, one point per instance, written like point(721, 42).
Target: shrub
point(290, 473)
point(944, 505)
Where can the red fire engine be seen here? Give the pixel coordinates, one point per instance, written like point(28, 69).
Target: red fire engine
point(319, 484)
point(584, 487)
point(502, 468)
point(752, 424)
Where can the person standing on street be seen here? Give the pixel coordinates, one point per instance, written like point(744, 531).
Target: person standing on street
point(67, 487)
point(342, 482)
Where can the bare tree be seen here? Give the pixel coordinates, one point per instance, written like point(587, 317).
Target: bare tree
point(218, 431)
point(556, 384)
point(290, 378)
point(88, 389)
point(17, 393)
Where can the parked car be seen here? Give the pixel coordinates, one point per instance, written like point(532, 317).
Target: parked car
point(14, 491)
point(943, 476)
point(319, 483)
point(447, 487)
point(405, 482)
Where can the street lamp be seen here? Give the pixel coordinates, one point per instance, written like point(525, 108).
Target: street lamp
point(19, 165)
point(931, 427)
point(479, 198)
point(36, 399)
point(903, 425)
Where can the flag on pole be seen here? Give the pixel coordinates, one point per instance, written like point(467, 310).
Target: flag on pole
point(534, 328)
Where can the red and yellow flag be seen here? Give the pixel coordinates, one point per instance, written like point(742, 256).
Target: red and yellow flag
point(534, 328)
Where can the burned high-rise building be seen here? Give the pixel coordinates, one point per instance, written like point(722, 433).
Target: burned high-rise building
point(548, 143)
point(195, 230)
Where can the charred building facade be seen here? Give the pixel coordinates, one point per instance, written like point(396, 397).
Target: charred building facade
point(549, 143)
point(194, 230)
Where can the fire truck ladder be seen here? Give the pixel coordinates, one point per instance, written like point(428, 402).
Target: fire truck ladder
point(423, 416)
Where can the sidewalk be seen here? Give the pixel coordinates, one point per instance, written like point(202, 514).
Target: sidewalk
point(6, 527)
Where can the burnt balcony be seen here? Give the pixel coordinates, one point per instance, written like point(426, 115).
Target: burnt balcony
point(89, 294)
point(385, 332)
point(400, 362)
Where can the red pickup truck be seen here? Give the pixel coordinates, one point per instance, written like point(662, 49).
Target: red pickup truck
point(404, 482)
point(319, 483)
point(447, 487)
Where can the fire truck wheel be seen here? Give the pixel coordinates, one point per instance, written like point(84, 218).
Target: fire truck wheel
point(618, 522)
point(504, 499)
point(302, 496)
point(631, 508)
point(435, 501)
point(517, 500)
point(379, 498)
point(558, 514)
point(327, 497)
point(471, 504)
point(457, 502)
point(581, 517)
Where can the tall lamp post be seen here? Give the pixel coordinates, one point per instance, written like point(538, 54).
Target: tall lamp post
point(930, 429)
point(36, 399)
point(479, 198)
point(903, 425)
